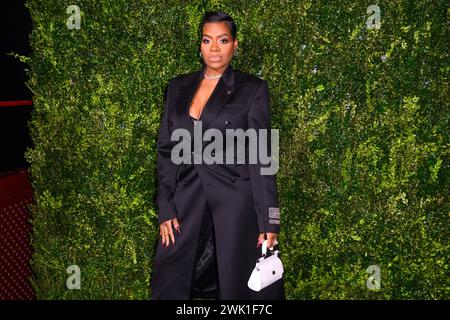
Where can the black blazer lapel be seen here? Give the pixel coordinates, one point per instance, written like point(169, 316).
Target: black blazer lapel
point(223, 91)
point(185, 96)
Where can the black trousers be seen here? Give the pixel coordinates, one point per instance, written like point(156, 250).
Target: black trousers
point(205, 280)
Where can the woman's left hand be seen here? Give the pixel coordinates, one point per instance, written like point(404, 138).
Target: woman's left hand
point(271, 238)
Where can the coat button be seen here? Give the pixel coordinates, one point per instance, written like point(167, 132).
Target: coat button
point(185, 182)
point(229, 92)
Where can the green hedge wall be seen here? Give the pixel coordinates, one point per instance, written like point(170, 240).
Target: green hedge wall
point(363, 116)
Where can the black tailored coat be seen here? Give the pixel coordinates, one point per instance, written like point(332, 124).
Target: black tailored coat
point(242, 202)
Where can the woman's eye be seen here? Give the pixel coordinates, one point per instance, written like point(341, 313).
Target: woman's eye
point(223, 40)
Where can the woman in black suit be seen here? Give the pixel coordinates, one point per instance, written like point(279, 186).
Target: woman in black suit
point(213, 216)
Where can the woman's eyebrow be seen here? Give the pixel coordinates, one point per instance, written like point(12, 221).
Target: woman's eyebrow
point(223, 34)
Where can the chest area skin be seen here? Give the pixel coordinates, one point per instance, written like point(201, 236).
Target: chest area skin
point(201, 97)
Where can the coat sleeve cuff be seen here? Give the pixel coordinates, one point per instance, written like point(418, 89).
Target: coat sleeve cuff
point(269, 220)
point(166, 211)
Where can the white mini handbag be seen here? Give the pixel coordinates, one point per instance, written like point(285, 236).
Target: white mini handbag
point(267, 270)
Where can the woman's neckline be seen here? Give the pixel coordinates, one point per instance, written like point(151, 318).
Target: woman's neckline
point(199, 84)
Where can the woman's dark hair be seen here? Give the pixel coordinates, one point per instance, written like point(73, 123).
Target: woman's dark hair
point(219, 16)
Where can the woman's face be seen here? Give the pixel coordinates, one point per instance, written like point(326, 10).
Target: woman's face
point(217, 45)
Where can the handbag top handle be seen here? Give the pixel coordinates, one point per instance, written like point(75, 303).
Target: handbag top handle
point(264, 247)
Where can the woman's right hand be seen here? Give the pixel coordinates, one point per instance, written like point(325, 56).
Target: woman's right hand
point(166, 231)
